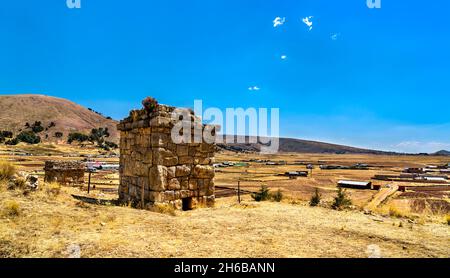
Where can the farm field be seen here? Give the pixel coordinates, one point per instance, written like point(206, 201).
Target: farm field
point(406, 224)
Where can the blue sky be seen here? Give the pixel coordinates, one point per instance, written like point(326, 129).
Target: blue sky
point(383, 83)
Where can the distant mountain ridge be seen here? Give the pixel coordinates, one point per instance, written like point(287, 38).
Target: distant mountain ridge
point(67, 117)
point(442, 152)
point(296, 146)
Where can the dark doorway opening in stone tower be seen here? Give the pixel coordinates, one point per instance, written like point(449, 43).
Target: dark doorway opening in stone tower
point(187, 203)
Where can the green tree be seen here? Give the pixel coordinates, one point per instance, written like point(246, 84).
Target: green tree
point(76, 136)
point(28, 137)
point(262, 195)
point(341, 200)
point(315, 199)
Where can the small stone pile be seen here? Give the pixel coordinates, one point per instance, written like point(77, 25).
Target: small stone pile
point(24, 181)
point(65, 172)
point(154, 169)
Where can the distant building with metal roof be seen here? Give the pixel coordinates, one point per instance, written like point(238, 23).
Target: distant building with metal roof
point(355, 184)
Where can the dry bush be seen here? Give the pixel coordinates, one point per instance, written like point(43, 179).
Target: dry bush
point(315, 199)
point(52, 189)
point(163, 208)
point(341, 201)
point(447, 219)
point(277, 196)
point(7, 170)
point(262, 195)
point(18, 183)
point(396, 212)
point(10, 208)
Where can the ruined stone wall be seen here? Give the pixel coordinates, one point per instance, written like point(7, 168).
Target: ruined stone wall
point(153, 169)
point(64, 172)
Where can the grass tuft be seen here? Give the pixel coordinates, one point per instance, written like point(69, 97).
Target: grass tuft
point(52, 189)
point(10, 208)
point(341, 201)
point(7, 170)
point(163, 208)
point(315, 199)
point(262, 195)
point(277, 196)
point(396, 212)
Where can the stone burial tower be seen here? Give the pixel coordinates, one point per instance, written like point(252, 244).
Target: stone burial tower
point(155, 169)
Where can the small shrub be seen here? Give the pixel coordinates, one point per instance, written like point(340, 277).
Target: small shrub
point(28, 137)
point(395, 212)
point(277, 196)
point(37, 129)
point(6, 134)
point(18, 183)
point(447, 219)
point(262, 195)
point(7, 170)
point(111, 145)
point(53, 188)
point(12, 142)
point(149, 104)
point(163, 208)
point(59, 134)
point(76, 136)
point(315, 199)
point(341, 200)
point(11, 208)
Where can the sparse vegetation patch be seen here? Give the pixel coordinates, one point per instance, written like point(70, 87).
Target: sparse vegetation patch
point(341, 201)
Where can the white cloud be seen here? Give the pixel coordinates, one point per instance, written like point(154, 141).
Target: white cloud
point(283, 57)
point(254, 88)
point(308, 22)
point(335, 36)
point(278, 21)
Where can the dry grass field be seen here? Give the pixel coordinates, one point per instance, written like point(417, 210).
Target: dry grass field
point(51, 223)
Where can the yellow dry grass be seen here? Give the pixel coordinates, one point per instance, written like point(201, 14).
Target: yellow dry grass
point(49, 226)
point(7, 170)
point(50, 222)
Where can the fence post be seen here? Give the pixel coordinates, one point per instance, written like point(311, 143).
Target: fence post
point(239, 192)
point(142, 197)
point(89, 182)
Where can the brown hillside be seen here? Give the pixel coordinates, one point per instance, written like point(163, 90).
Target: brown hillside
point(16, 110)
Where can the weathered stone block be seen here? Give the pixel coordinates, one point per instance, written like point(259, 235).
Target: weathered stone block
point(158, 178)
point(203, 171)
point(174, 184)
point(185, 160)
point(182, 150)
point(193, 184)
point(159, 140)
point(171, 172)
point(184, 194)
point(183, 171)
point(169, 195)
point(210, 200)
point(164, 157)
point(184, 182)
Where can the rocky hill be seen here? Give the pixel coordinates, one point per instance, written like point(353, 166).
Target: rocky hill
point(56, 115)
